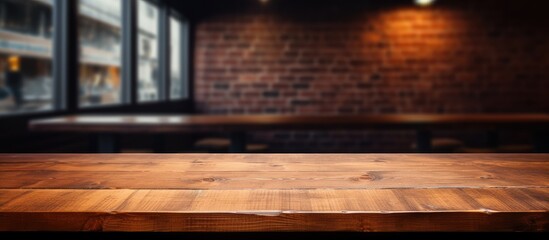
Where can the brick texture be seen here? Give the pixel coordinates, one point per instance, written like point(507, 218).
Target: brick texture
point(465, 57)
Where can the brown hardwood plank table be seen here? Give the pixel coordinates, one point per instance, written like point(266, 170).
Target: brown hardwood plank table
point(106, 126)
point(284, 192)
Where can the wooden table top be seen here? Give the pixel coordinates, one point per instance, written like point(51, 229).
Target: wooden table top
point(323, 192)
point(182, 123)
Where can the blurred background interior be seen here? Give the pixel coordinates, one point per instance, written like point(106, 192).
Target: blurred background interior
point(276, 57)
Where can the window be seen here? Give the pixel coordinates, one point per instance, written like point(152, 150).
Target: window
point(148, 68)
point(100, 48)
point(178, 62)
point(33, 36)
point(26, 50)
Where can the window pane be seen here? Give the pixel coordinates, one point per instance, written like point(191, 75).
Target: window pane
point(148, 89)
point(176, 67)
point(100, 39)
point(26, 33)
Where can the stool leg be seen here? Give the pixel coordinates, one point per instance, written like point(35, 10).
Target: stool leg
point(106, 143)
point(423, 138)
point(159, 143)
point(492, 139)
point(541, 142)
point(238, 142)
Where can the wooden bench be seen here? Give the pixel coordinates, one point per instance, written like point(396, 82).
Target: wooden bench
point(235, 193)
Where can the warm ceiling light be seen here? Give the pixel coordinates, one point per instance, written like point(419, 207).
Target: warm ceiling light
point(424, 3)
point(264, 1)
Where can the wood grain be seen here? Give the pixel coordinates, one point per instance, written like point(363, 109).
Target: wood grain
point(267, 171)
point(194, 123)
point(286, 192)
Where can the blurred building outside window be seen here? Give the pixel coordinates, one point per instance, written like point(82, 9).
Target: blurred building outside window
point(100, 48)
point(26, 48)
point(148, 75)
point(176, 76)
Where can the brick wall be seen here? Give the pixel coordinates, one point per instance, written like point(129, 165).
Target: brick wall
point(454, 57)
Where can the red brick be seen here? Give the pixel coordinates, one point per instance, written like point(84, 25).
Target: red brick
point(456, 58)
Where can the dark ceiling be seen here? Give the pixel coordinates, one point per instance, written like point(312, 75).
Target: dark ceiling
point(201, 8)
point(196, 9)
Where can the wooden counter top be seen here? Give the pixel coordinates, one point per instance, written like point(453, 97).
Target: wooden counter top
point(192, 123)
point(286, 192)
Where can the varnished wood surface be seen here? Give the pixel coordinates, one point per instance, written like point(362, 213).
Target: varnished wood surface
point(286, 192)
point(186, 123)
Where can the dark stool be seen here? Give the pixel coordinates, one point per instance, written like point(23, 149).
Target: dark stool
point(221, 145)
point(444, 145)
point(516, 148)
